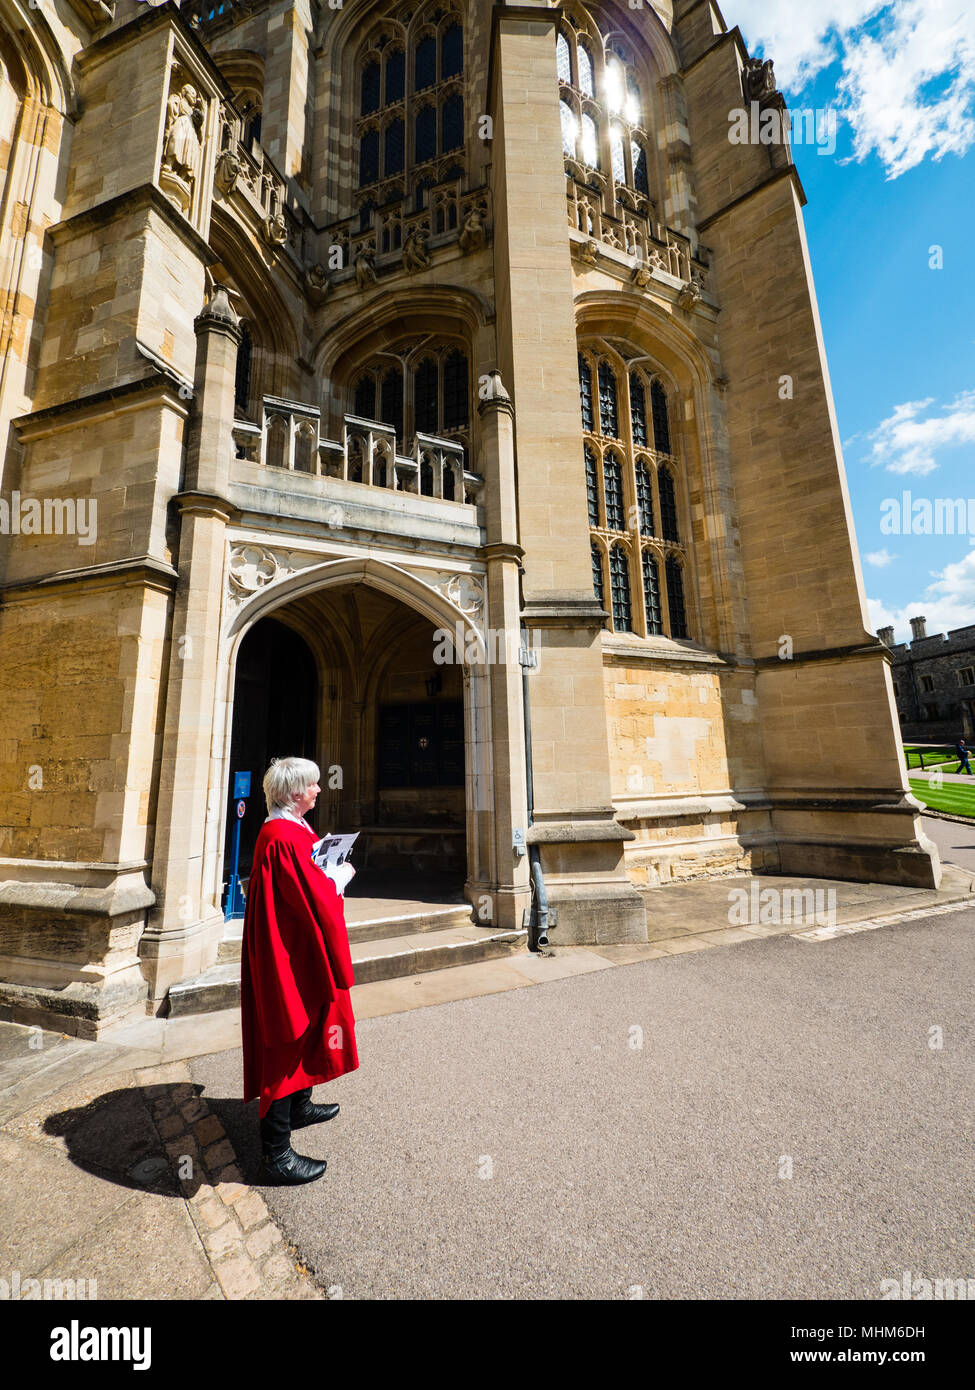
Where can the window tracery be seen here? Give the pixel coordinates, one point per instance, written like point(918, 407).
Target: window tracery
point(419, 388)
point(633, 491)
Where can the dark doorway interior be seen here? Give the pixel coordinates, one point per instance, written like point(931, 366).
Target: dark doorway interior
point(275, 703)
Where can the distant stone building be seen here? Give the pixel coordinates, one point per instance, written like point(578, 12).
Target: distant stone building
point(934, 682)
point(362, 322)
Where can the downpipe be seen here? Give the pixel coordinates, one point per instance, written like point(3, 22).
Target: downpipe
point(538, 923)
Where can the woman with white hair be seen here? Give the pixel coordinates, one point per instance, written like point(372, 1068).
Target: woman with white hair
point(297, 1026)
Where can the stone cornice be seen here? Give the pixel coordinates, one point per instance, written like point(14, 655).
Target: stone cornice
point(144, 570)
point(145, 195)
point(100, 404)
point(206, 504)
point(852, 651)
point(789, 172)
point(567, 611)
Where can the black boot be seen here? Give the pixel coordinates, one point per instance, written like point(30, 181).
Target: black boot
point(303, 1112)
point(281, 1163)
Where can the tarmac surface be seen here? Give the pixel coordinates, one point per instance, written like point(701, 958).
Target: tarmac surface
point(774, 1119)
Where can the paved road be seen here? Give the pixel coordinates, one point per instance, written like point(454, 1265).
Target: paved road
point(517, 1145)
point(955, 841)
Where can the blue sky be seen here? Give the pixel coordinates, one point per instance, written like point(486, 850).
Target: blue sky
point(900, 335)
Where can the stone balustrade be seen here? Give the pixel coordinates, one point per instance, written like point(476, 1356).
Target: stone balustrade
point(291, 441)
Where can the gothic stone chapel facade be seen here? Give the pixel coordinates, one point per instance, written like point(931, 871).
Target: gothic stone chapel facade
point(356, 324)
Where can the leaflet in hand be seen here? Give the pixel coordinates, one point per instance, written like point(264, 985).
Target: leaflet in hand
point(332, 850)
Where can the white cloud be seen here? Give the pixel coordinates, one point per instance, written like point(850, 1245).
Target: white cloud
point(947, 603)
point(909, 440)
point(906, 83)
point(880, 559)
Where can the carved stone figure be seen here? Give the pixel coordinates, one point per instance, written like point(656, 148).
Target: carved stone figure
point(689, 296)
point(472, 234)
point(365, 267)
point(181, 146)
point(318, 284)
point(276, 229)
point(759, 79)
point(415, 253)
point(227, 171)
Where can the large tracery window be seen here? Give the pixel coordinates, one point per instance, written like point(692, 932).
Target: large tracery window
point(603, 108)
point(634, 491)
point(418, 389)
point(411, 105)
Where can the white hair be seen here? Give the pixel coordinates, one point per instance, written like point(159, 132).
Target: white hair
point(286, 779)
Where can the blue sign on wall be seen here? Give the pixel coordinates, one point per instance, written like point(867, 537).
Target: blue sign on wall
point(242, 784)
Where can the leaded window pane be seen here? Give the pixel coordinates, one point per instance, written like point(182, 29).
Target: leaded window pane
point(590, 142)
point(668, 505)
point(452, 123)
point(455, 392)
point(651, 594)
point(452, 52)
point(242, 379)
point(425, 397)
point(586, 83)
point(426, 134)
point(370, 89)
point(425, 68)
point(592, 487)
point(661, 423)
point(563, 58)
point(369, 158)
point(633, 105)
point(570, 129)
point(395, 76)
point(391, 401)
point(616, 151)
point(644, 499)
point(675, 597)
point(364, 401)
point(395, 141)
point(638, 156)
point(585, 393)
point(597, 573)
point(613, 493)
point(619, 580)
point(607, 401)
point(638, 410)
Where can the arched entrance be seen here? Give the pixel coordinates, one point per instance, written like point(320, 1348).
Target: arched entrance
point(354, 677)
point(275, 715)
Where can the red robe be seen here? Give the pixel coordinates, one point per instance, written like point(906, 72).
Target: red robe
point(297, 1026)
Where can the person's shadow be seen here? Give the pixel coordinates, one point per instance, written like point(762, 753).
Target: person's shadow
point(162, 1138)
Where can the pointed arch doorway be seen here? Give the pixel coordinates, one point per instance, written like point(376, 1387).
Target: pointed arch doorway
point(346, 675)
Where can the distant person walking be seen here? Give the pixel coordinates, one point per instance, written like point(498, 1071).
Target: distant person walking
point(962, 750)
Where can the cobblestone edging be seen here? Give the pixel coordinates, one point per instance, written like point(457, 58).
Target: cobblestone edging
point(946, 815)
point(249, 1256)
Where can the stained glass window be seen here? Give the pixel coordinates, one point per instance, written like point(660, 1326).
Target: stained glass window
point(632, 105)
point(619, 580)
point(426, 134)
point(369, 158)
point(607, 401)
point(661, 424)
point(638, 410)
point(451, 52)
point(597, 573)
point(370, 89)
point(452, 123)
point(586, 84)
point(395, 142)
point(425, 396)
point(570, 129)
point(242, 380)
point(455, 392)
point(675, 597)
point(613, 492)
point(585, 393)
point(616, 151)
point(391, 398)
point(562, 58)
point(668, 505)
point(651, 593)
point(425, 66)
point(592, 487)
point(590, 142)
point(644, 499)
point(364, 402)
point(395, 76)
point(638, 155)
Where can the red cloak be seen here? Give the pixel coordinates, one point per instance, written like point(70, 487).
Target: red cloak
point(297, 1026)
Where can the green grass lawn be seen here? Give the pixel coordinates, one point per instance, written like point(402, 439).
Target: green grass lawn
point(930, 757)
point(957, 798)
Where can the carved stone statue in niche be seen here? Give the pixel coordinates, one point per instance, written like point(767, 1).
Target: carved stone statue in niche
point(472, 235)
point(182, 147)
point(415, 253)
point(365, 267)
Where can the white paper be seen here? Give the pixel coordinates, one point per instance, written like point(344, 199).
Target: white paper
point(333, 850)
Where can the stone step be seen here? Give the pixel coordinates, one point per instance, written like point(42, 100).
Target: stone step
point(379, 958)
point(373, 928)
